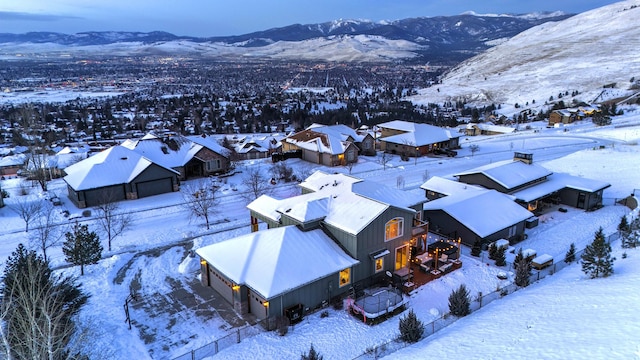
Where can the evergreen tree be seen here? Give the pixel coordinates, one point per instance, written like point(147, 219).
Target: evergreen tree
point(492, 250)
point(500, 256)
point(630, 239)
point(523, 271)
point(82, 247)
point(570, 256)
point(311, 355)
point(516, 260)
point(477, 248)
point(623, 227)
point(597, 260)
point(37, 309)
point(459, 302)
point(411, 328)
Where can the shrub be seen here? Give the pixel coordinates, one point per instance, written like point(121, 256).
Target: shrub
point(311, 355)
point(570, 256)
point(324, 314)
point(86, 213)
point(459, 302)
point(411, 328)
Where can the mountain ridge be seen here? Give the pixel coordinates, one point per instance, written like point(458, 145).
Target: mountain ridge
point(434, 38)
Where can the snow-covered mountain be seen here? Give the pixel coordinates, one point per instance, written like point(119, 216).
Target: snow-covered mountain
point(583, 53)
point(443, 38)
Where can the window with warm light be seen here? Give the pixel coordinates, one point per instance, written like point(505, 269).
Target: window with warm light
point(393, 229)
point(379, 264)
point(345, 277)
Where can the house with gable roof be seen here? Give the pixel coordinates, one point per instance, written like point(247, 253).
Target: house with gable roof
point(194, 156)
point(115, 174)
point(364, 141)
point(324, 148)
point(477, 215)
point(532, 185)
point(413, 139)
point(317, 245)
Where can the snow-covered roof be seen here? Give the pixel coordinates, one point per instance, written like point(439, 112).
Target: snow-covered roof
point(319, 142)
point(483, 212)
point(116, 165)
point(275, 261)
point(339, 199)
point(445, 186)
point(210, 143)
point(13, 160)
point(509, 173)
point(491, 127)
point(174, 151)
point(338, 130)
point(416, 134)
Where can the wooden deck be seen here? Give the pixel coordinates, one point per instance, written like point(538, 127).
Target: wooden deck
point(420, 277)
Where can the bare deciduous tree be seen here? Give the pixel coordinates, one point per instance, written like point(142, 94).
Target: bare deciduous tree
point(111, 219)
point(474, 148)
point(47, 233)
point(38, 309)
point(384, 159)
point(27, 208)
point(255, 184)
point(201, 199)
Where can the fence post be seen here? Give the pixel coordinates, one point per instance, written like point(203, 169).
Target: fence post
point(193, 355)
point(238, 332)
point(215, 346)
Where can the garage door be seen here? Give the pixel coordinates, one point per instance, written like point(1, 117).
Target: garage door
point(256, 306)
point(220, 285)
point(154, 187)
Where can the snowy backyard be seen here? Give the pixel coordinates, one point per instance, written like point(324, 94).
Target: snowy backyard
point(564, 316)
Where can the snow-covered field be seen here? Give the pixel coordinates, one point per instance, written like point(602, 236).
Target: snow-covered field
point(563, 316)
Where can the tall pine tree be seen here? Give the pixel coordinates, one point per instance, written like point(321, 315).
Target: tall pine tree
point(596, 259)
point(82, 247)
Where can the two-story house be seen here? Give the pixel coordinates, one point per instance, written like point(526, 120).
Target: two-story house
point(339, 232)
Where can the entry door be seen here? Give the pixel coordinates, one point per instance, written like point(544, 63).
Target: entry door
point(402, 254)
point(581, 198)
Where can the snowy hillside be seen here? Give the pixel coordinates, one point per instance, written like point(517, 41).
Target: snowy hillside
point(583, 53)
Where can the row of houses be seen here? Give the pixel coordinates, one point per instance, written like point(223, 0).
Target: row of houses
point(343, 231)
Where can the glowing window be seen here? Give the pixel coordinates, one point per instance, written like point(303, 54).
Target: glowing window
point(379, 264)
point(393, 229)
point(345, 277)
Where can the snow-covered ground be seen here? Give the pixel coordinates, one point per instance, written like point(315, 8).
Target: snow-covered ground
point(563, 316)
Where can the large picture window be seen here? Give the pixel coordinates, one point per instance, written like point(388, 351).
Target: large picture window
point(394, 229)
point(345, 277)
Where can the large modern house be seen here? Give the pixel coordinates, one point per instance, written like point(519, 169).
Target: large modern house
point(339, 232)
point(322, 147)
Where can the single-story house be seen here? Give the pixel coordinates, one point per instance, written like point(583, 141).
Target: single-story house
point(484, 215)
point(115, 174)
point(365, 142)
point(322, 148)
point(193, 156)
point(473, 129)
point(530, 183)
point(413, 139)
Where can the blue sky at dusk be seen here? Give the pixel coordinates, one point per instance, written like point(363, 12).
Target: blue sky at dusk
point(217, 18)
